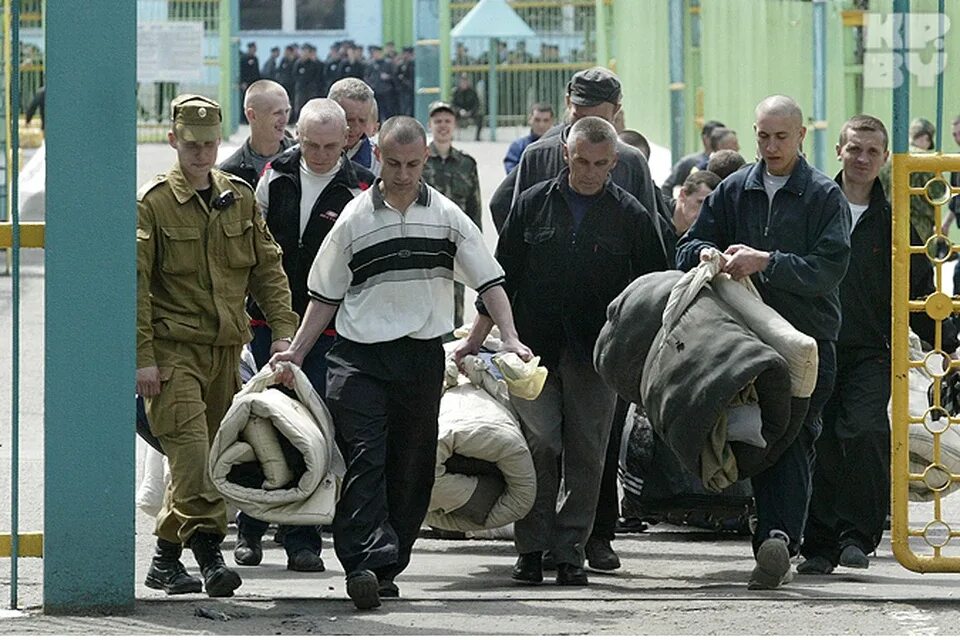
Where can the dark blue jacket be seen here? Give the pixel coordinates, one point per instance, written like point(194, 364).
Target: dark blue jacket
point(515, 150)
point(806, 231)
point(560, 282)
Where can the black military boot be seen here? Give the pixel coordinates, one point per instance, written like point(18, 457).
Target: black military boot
point(219, 581)
point(168, 573)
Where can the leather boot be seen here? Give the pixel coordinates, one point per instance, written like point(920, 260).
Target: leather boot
point(167, 573)
point(219, 581)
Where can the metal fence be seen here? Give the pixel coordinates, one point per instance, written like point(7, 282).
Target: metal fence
point(153, 98)
point(533, 69)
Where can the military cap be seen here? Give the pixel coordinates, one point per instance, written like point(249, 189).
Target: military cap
point(590, 87)
point(408, 49)
point(440, 105)
point(374, 47)
point(195, 118)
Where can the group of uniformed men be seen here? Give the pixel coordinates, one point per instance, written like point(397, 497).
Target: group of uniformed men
point(340, 256)
point(390, 73)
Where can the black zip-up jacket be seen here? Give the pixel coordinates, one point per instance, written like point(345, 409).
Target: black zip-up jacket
point(559, 282)
point(283, 218)
point(806, 231)
point(865, 290)
point(240, 163)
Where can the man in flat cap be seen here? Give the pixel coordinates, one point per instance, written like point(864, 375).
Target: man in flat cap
point(201, 246)
point(454, 174)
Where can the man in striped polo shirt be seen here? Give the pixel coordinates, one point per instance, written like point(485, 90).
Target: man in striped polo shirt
point(388, 266)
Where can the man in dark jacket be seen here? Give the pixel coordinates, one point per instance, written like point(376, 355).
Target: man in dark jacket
point(591, 92)
point(382, 78)
point(285, 72)
point(249, 72)
point(786, 226)
point(308, 77)
point(267, 109)
point(570, 245)
point(851, 482)
point(301, 194)
point(683, 166)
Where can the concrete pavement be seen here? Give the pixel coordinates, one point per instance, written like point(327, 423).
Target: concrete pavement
point(674, 580)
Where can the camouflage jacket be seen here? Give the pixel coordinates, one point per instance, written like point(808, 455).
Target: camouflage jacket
point(455, 177)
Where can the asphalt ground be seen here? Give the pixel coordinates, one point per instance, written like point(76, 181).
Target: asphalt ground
point(674, 579)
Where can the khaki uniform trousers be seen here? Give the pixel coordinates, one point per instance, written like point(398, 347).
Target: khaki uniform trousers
point(198, 385)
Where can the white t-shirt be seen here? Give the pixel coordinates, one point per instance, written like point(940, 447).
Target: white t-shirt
point(773, 184)
point(312, 185)
point(857, 210)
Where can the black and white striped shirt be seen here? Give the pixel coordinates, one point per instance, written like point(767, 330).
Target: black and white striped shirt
point(392, 273)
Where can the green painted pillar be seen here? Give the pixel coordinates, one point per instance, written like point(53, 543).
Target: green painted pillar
point(446, 75)
point(229, 74)
point(91, 131)
point(427, 74)
point(602, 29)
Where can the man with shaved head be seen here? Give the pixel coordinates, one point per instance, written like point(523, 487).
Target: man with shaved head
point(267, 108)
point(386, 270)
point(786, 226)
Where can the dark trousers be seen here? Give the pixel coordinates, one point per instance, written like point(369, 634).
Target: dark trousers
point(295, 537)
point(782, 492)
point(851, 481)
point(608, 502)
point(385, 400)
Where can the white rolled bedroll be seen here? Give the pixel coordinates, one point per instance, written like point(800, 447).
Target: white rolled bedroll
point(275, 457)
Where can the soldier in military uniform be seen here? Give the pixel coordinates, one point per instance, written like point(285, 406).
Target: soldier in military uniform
point(454, 174)
point(201, 245)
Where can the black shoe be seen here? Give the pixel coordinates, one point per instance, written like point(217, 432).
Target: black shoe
point(363, 588)
point(549, 562)
point(570, 575)
point(219, 581)
point(168, 574)
point(249, 550)
point(600, 555)
point(630, 524)
point(815, 565)
point(853, 557)
point(387, 588)
point(305, 560)
point(529, 568)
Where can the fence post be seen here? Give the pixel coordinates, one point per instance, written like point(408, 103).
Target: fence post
point(89, 548)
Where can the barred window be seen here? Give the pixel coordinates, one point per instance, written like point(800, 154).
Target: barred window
point(261, 15)
point(320, 15)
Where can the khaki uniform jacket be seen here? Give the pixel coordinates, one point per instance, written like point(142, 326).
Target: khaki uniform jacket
point(195, 265)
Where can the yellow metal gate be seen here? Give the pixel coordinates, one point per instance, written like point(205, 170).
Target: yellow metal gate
point(926, 437)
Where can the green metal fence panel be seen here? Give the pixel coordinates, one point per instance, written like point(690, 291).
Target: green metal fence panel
point(753, 48)
point(641, 49)
point(153, 98)
point(530, 69)
point(398, 22)
point(921, 72)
